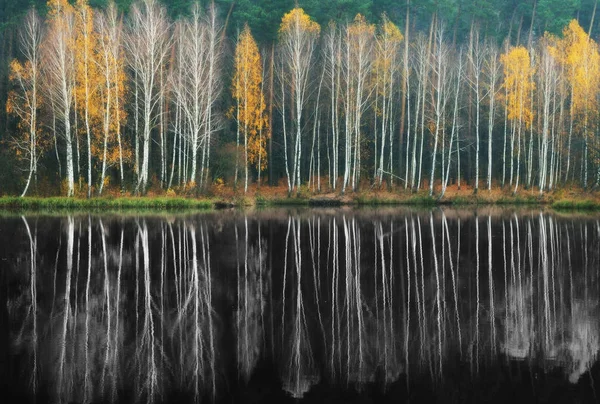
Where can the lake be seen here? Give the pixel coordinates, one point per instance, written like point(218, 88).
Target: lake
point(324, 305)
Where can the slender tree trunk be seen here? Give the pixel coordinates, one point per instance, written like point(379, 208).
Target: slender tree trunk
point(439, 103)
point(592, 19)
point(86, 78)
point(136, 135)
point(491, 116)
point(75, 135)
point(572, 115)
point(284, 126)
point(459, 78)
point(106, 125)
point(271, 74)
point(237, 140)
point(505, 139)
point(405, 107)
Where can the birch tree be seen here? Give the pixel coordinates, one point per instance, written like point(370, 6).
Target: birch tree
point(358, 60)
point(298, 36)
point(190, 83)
point(87, 77)
point(59, 70)
point(247, 91)
point(439, 63)
point(518, 82)
point(388, 42)
point(195, 86)
point(332, 68)
point(583, 61)
point(548, 79)
point(457, 76)
point(25, 100)
point(492, 73)
point(147, 43)
point(112, 92)
point(476, 60)
point(421, 64)
point(213, 87)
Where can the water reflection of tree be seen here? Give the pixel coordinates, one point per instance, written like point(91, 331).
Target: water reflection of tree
point(550, 311)
point(190, 320)
point(361, 335)
point(68, 343)
point(94, 341)
point(119, 303)
point(452, 306)
point(252, 294)
point(298, 368)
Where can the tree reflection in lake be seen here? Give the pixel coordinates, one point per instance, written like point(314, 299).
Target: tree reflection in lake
point(151, 309)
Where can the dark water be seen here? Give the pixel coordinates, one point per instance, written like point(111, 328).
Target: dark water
point(319, 305)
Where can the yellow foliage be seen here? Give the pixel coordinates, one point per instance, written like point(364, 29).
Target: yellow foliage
point(247, 91)
point(58, 7)
point(59, 15)
point(580, 54)
point(16, 70)
point(391, 31)
point(297, 19)
point(389, 38)
point(518, 80)
point(218, 185)
point(112, 94)
point(87, 73)
point(360, 26)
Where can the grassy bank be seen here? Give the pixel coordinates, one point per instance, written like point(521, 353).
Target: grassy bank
point(571, 199)
point(570, 204)
point(95, 204)
point(278, 196)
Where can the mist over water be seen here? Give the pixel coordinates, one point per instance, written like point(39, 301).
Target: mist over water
point(322, 305)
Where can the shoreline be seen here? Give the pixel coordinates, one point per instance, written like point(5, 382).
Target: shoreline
point(582, 202)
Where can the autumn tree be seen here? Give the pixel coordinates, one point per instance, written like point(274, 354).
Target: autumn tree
point(247, 91)
point(332, 67)
point(59, 71)
point(298, 35)
point(548, 86)
point(106, 87)
point(25, 100)
point(388, 41)
point(110, 56)
point(147, 43)
point(519, 83)
point(357, 63)
point(583, 71)
point(87, 78)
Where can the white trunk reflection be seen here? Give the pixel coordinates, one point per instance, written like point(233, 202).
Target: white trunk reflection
point(150, 307)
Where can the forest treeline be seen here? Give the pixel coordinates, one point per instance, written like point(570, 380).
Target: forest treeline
point(99, 97)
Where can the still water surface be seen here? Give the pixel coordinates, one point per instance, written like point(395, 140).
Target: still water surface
point(324, 305)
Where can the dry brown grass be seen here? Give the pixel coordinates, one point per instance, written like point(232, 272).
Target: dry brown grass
point(368, 193)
